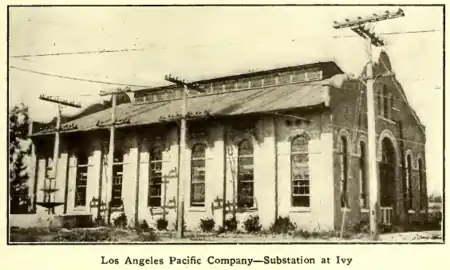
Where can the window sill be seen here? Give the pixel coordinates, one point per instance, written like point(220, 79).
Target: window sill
point(197, 209)
point(301, 209)
point(344, 209)
point(386, 120)
point(79, 208)
point(246, 210)
point(365, 210)
point(411, 211)
point(423, 211)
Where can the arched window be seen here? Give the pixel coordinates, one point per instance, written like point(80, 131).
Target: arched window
point(344, 170)
point(389, 106)
point(198, 162)
point(117, 178)
point(245, 185)
point(300, 172)
point(422, 185)
point(408, 172)
point(81, 178)
point(385, 102)
point(155, 178)
point(379, 97)
point(364, 187)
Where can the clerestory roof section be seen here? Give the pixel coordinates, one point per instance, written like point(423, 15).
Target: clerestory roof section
point(240, 102)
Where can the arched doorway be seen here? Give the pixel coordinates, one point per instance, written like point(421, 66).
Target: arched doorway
point(387, 167)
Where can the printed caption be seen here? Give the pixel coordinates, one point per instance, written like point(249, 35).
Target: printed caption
point(231, 261)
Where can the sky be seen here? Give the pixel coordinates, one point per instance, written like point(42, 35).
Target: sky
point(203, 42)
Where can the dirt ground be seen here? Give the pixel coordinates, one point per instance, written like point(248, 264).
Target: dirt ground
point(106, 234)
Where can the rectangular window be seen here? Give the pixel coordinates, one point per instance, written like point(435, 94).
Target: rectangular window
point(314, 75)
point(256, 81)
point(242, 84)
point(198, 175)
point(155, 179)
point(245, 188)
point(299, 76)
point(81, 180)
point(269, 80)
point(300, 172)
point(117, 179)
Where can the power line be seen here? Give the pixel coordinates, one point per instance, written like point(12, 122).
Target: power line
point(294, 39)
point(395, 33)
point(72, 53)
point(76, 79)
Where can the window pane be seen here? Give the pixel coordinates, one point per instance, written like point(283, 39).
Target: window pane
point(300, 172)
point(300, 144)
point(245, 174)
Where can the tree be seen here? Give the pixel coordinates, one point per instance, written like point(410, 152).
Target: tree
point(19, 150)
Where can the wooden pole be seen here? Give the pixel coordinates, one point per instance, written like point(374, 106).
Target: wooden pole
point(182, 171)
point(55, 158)
point(111, 151)
point(372, 155)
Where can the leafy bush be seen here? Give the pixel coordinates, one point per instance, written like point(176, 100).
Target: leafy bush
point(207, 225)
point(143, 226)
point(99, 222)
point(361, 227)
point(283, 225)
point(120, 221)
point(230, 225)
point(161, 224)
point(251, 224)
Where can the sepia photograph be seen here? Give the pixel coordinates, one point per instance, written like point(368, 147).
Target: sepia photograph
point(225, 124)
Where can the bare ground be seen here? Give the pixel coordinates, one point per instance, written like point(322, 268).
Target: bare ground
point(106, 234)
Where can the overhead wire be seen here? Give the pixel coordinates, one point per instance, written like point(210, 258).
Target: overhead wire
point(77, 79)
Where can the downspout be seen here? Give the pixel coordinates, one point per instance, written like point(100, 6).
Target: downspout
point(100, 184)
point(66, 188)
point(136, 201)
point(224, 192)
point(36, 171)
point(274, 122)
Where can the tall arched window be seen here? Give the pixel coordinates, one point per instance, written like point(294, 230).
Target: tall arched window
point(389, 106)
point(344, 170)
point(198, 163)
point(300, 171)
point(364, 187)
point(81, 179)
point(245, 185)
point(155, 178)
point(380, 101)
point(385, 102)
point(422, 185)
point(408, 172)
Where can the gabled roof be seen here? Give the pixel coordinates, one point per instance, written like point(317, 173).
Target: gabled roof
point(258, 100)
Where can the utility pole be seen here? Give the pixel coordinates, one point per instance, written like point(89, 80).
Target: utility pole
point(52, 181)
point(112, 133)
point(360, 26)
point(182, 174)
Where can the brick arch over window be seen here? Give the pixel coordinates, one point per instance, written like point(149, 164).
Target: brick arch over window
point(300, 179)
point(388, 134)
